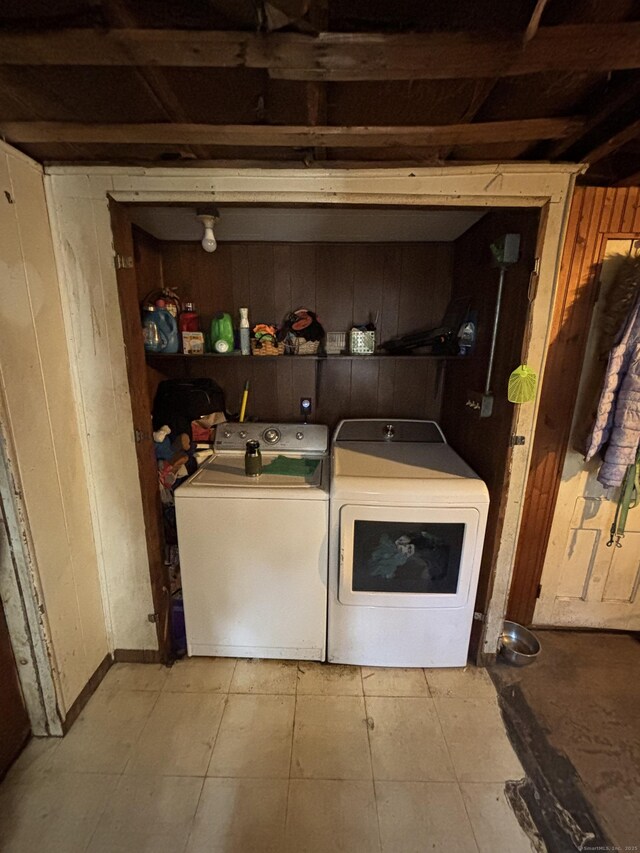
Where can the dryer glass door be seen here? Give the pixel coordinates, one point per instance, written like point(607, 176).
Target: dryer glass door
point(406, 556)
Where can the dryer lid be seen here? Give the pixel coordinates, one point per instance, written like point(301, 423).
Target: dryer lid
point(399, 461)
point(389, 431)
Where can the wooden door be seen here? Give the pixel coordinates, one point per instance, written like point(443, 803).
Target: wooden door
point(14, 722)
point(141, 410)
point(584, 582)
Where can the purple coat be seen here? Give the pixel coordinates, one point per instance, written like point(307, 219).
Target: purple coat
point(618, 417)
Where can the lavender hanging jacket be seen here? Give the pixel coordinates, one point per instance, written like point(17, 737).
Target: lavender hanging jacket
point(617, 422)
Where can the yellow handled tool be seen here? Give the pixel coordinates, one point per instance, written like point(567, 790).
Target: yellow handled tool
point(243, 405)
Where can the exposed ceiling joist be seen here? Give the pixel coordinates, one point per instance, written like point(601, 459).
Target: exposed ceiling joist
point(289, 136)
point(619, 139)
point(534, 20)
point(339, 56)
point(615, 99)
point(632, 180)
point(154, 80)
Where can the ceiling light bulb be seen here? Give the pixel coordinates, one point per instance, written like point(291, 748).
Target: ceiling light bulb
point(209, 243)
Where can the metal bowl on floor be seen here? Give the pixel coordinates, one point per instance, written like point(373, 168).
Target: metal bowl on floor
point(518, 645)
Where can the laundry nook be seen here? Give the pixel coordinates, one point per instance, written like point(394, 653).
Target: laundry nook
point(319, 447)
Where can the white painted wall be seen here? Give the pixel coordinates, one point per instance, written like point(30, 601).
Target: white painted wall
point(42, 428)
point(82, 235)
point(77, 199)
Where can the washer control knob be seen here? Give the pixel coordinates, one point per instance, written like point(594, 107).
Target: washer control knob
point(242, 433)
point(227, 433)
point(271, 435)
point(299, 436)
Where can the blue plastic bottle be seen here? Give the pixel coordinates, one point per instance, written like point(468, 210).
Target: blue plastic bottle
point(160, 330)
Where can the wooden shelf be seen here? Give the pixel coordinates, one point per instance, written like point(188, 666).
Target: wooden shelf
point(153, 356)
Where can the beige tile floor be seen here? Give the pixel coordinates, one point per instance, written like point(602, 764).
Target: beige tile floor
point(245, 756)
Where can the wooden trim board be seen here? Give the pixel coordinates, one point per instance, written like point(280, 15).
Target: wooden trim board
point(137, 656)
point(86, 693)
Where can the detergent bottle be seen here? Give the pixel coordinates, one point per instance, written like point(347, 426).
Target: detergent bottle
point(160, 330)
point(222, 333)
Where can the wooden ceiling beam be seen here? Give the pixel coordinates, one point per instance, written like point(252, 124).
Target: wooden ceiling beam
point(632, 180)
point(339, 56)
point(615, 99)
point(534, 21)
point(153, 80)
point(627, 134)
point(482, 93)
point(289, 136)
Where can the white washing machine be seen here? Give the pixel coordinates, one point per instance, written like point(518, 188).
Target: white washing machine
point(407, 524)
point(253, 551)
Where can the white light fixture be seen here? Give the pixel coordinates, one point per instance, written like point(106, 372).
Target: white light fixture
point(209, 243)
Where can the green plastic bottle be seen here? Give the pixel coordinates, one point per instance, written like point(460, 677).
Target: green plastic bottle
point(222, 333)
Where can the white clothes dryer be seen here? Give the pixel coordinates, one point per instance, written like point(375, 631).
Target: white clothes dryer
point(407, 525)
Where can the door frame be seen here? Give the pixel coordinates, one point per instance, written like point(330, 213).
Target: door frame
point(141, 404)
point(22, 597)
point(597, 214)
point(534, 185)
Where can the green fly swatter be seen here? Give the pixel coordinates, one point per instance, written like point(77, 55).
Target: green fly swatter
point(523, 383)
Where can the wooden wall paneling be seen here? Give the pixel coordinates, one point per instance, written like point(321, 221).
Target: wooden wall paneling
point(408, 284)
point(241, 282)
point(617, 211)
point(363, 402)
point(261, 285)
point(368, 282)
point(595, 214)
point(282, 279)
point(334, 396)
point(635, 228)
point(304, 380)
point(572, 309)
point(391, 281)
point(415, 394)
point(264, 386)
point(485, 443)
point(286, 386)
point(386, 385)
point(408, 392)
point(304, 261)
point(147, 256)
point(204, 279)
point(607, 207)
point(421, 302)
point(545, 465)
point(335, 271)
point(630, 209)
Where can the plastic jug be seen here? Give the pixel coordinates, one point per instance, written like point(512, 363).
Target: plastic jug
point(160, 330)
point(222, 333)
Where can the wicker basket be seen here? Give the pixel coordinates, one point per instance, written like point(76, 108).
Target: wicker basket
point(266, 348)
point(299, 346)
point(362, 343)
